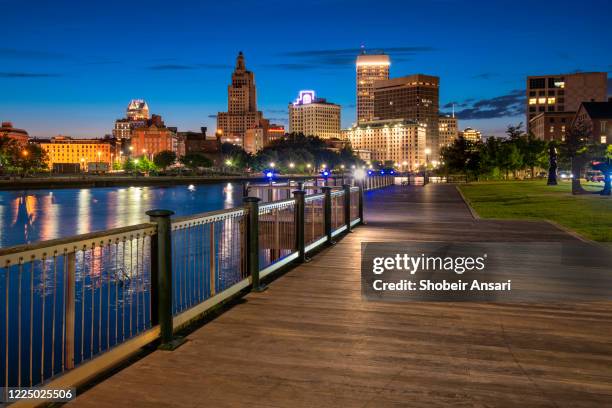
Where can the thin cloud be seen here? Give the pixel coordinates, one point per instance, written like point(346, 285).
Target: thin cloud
point(26, 75)
point(212, 116)
point(509, 105)
point(330, 58)
point(170, 67)
point(14, 53)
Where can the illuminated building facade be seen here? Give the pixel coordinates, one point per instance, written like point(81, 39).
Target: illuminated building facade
point(448, 130)
point(563, 93)
point(275, 132)
point(137, 110)
point(470, 134)
point(242, 113)
point(314, 116)
point(137, 115)
point(64, 150)
point(597, 117)
point(153, 138)
point(19, 135)
point(399, 140)
point(551, 125)
point(412, 97)
point(370, 68)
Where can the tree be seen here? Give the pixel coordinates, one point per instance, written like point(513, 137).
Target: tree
point(462, 156)
point(195, 160)
point(509, 159)
point(31, 158)
point(145, 165)
point(533, 152)
point(236, 155)
point(514, 132)
point(164, 159)
point(575, 148)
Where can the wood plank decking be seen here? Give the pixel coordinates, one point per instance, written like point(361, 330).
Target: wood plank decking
point(311, 341)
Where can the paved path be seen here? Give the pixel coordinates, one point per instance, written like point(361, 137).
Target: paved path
point(311, 341)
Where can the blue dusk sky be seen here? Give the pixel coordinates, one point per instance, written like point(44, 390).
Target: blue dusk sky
point(72, 67)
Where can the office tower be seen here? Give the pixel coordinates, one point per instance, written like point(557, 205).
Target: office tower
point(400, 141)
point(242, 113)
point(448, 130)
point(370, 68)
point(564, 92)
point(314, 116)
point(412, 97)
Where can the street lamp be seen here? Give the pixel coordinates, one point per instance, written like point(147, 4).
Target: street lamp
point(291, 165)
point(272, 164)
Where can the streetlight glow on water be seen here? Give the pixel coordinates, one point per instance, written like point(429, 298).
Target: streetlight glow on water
point(38, 215)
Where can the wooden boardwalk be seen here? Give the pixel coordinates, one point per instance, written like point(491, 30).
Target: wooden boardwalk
point(311, 341)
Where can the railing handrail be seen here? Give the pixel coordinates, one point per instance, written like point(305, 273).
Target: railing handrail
point(207, 217)
point(276, 205)
point(313, 197)
point(26, 252)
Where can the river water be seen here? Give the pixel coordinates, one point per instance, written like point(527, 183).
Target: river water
point(28, 216)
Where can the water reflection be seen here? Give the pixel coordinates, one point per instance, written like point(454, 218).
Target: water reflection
point(33, 215)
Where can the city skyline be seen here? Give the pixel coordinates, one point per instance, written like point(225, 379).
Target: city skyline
point(77, 77)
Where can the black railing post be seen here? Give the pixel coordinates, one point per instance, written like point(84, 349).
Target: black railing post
point(245, 189)
point(361, 203)
point(328, 213)
point(347, 206)
point(300, 214)
point(161, 278)
point(252, 203)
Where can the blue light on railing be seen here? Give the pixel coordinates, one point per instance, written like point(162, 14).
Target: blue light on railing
point(325, 173)
point(382, 172)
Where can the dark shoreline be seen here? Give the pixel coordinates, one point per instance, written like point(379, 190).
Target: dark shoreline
point(106, 181)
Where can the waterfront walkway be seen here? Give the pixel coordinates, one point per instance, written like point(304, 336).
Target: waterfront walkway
point(311, 341)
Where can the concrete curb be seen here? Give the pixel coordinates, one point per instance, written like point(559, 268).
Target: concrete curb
point(553, 223)
point(467, 204)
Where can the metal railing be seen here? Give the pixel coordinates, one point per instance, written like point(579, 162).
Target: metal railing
point(277, 231)
point(208, 256)
point(75, 307)
point(69, 300)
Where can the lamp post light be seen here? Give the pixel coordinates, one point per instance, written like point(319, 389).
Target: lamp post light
point(291, 165)
point(272, 164)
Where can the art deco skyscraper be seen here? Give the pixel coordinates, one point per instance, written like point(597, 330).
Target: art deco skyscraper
point(370, 68)
point(242, 113)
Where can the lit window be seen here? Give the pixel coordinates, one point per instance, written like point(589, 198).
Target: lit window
point(604, 139)
point(532, 101)
point(551, 101)
point(552, 129)
point(541, 100)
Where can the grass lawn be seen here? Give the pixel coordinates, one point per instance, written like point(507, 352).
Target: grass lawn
point(589, 215)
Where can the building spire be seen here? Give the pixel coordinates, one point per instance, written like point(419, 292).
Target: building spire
point(240, 61)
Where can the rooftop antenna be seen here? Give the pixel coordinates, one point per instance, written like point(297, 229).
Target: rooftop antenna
point(453, 110)
point(363, 50)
